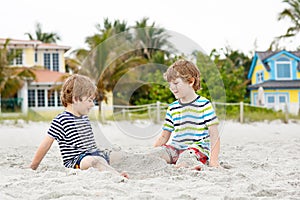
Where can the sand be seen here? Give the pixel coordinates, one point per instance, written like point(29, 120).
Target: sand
point(260, 161)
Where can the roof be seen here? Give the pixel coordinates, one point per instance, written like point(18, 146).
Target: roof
point(14, 41)
point(52, 46)
point(35, 43)
point(47, 76)
point(264, 56)
point(277, 84)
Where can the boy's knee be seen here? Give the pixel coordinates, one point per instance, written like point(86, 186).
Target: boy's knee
point(98, 162)
point(93, 161)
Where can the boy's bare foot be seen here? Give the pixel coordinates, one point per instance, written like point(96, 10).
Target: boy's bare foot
point(125, 174)
point(197, 168)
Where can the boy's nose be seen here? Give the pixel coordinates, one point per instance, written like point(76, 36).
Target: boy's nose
point(92, 103)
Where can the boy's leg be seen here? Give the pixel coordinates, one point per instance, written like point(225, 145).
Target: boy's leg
point(116, 157)
point(190, 159)
point(95, 162)
point(99, 163)
point(161, 152)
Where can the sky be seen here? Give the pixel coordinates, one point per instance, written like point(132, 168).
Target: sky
point(244, 25)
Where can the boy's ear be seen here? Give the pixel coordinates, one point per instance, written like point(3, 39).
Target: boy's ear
point(191, 81)
point(74, 100)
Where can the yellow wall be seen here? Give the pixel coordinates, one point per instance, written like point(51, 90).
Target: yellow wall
point(62, 67)
point(259, 67)
point(28, 57)
point(294, 96)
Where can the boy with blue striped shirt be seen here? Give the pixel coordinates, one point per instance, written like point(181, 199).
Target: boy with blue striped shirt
point(190, 128)
point(72, 129)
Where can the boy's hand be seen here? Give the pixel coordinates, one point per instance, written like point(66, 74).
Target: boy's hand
point(33, 167)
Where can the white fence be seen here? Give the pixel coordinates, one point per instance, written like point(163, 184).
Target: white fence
point(156, 111)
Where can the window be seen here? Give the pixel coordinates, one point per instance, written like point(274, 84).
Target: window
point(51, 61)
point(31, 98)
point(271, 99)
point(277, 101)
point(55, 62)
point(35, 57)
point(260, 76)
point(283, 68)
point(41, 98)
point(18, 57)
point(51, 98)
point(282, 99)
point(47, 63)
point(58, 99)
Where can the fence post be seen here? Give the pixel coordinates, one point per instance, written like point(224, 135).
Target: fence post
point(149, 111)
point(241, 112)
point(286, 116)
point(123, 114)
point(214, 105)
point(158, 111)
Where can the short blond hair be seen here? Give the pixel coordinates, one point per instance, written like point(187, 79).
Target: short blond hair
point(185, 70)
point(77, 86)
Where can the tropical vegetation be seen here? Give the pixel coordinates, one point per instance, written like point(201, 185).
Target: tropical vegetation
point(45, 37)
point(291, 14)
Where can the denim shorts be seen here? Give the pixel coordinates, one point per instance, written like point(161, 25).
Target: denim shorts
point(104, 154)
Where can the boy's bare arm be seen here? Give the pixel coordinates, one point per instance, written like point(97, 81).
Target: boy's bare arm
point(41, 152)
point(215, 145)
point(163, 138)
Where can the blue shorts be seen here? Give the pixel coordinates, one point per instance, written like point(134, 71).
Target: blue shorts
point(103, 154)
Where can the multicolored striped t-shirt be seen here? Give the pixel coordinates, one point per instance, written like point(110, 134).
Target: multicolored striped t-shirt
point(189, 124)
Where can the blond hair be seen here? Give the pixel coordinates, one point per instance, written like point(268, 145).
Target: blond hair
point(76, 87)
point(186, 70)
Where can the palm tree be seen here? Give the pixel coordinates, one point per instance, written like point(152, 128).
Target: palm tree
point(108, 58)
point(293, 14)
point(11, 78)
point(115, 49)
point(150, 39)
point(43, 36)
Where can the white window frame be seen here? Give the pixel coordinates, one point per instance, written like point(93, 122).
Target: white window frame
point(267, 103)
point(46, 103)
point(277, 104)
point(51, 59)
point(260, 76)
point(14, 61)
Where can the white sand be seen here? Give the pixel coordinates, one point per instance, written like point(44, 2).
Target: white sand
point(261, 160)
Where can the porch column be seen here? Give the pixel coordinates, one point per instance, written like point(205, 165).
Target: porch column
point(24, 96)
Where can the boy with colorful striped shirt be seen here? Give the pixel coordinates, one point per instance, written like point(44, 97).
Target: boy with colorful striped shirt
point(191, 125)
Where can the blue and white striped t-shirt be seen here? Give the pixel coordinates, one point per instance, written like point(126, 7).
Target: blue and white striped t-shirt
point(189, 124)
point(74, 136)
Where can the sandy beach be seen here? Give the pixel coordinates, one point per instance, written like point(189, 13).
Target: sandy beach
point(260, 161)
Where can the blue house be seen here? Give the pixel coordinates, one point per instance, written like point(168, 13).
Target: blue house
point(275, 80)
